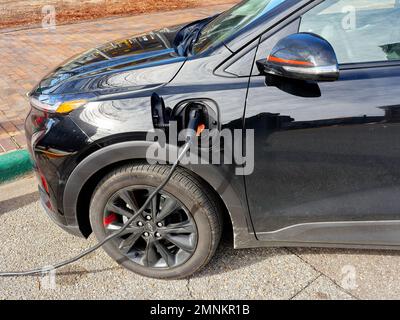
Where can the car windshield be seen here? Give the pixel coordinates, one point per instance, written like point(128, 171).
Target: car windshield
point(231, 21)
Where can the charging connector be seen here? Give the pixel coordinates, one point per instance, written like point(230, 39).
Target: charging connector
point(194, 127)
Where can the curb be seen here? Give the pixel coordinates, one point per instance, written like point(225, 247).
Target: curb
point(14, 164)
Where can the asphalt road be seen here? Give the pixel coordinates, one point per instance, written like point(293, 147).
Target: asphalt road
point(29, 239)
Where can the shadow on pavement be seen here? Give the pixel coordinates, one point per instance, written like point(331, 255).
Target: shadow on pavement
point(72, 274)
point(227, 259)
point(18, 202)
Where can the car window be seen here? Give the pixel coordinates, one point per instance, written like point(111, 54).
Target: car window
point(242, 67)
point(233, 20)
point(359, 30)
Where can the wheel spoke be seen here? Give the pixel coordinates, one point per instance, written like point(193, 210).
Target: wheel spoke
point(118, 210)
point(165, 254)
point(129, 199)
point(130, 231)
point(127, 244)
point(115, 226)
point(155, 204)
point(168, 208)
point(151, 256)
point(185, 227)
point(182, 242)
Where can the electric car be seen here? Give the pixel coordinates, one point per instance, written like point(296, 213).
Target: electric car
point(316, 84)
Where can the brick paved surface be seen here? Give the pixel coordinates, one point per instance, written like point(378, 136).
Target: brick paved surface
point(26, 56)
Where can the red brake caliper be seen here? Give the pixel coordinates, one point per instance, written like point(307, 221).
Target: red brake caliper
point(112, 217)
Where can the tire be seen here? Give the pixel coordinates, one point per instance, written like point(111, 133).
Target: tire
point(198, 207)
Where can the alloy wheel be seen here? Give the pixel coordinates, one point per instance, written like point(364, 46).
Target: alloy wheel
point(164, 236)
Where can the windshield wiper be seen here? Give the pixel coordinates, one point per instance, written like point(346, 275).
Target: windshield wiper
point(189, 35)
point(192, 39)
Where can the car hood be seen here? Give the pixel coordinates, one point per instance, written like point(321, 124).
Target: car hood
point(124, 65)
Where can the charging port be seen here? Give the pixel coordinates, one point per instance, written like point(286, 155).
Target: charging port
point(207, 116)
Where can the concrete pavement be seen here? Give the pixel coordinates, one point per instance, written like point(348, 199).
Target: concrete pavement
point(29, 239)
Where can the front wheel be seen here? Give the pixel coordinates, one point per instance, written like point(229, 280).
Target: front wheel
point(174, 237)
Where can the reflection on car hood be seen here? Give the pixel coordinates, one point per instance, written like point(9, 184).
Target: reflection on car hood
point(118, 66)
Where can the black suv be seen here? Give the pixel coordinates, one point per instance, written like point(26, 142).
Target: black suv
point(318, 84)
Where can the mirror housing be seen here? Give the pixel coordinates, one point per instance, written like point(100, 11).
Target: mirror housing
point(302, 56)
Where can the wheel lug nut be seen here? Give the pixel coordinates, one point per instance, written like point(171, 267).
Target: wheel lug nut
point(158, 235)
point(148, 218)
point(146, 234)
point(140, 224)
point(159, 224)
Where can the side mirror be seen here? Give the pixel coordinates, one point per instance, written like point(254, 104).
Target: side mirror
point(302, 56)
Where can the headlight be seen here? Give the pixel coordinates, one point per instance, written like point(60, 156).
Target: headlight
point(43, 106)
point(59, 107)
point(68, 106)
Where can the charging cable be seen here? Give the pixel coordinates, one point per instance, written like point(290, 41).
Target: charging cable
point(191, 135)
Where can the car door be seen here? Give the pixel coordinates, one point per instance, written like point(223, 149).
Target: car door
point(327, 156)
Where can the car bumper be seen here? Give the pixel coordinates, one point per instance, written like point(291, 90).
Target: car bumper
point(53, 142)
point(55, 217)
